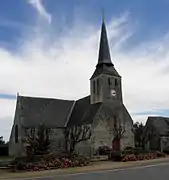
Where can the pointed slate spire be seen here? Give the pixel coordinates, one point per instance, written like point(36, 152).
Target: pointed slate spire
point(104, 52)
point(104, 65)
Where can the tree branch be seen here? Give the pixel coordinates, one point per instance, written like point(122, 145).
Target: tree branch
point(76, 134)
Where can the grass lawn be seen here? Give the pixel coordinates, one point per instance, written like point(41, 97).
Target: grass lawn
point(5, 157)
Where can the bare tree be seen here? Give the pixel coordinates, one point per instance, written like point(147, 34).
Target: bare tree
point(118, 131)
point(138, 130)
point(38, 139)
point(75, 135)
point(1, 140)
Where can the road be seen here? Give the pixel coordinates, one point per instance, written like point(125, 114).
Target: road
point(149, 172)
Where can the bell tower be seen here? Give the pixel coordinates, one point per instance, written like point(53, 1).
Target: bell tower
point(105, 82)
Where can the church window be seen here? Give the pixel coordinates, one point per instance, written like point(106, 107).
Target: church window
point(116, 82)
point(94, 87)
point(109, 81)
point(16, 133)
point(98, 86)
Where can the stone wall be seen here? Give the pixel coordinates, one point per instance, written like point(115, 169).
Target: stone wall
point(103, 92)
point(16, 148)
point(101, 135)
point(101, 130)
point(103, 125)
point(57, 140)
point(164, 142)
point(84, 148)
point(128, 139)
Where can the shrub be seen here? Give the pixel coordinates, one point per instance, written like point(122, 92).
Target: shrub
point(166, 150)
point(129, 148)
point(115, 155)
point(104, 150)
point(4, 150)
point(160, 154)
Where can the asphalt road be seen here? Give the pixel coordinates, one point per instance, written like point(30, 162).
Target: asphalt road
point(151, 172)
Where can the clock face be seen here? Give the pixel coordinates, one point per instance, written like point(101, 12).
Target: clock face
point(113, 93)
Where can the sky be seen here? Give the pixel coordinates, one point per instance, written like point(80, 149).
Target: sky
point(49, 48)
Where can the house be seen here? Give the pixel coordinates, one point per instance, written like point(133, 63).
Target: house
point(102, 109)
point(156, 133)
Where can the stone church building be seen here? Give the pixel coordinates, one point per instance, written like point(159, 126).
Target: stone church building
point(101, 110)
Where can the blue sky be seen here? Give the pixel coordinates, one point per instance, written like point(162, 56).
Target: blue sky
point(43, 41)
point(151, 17)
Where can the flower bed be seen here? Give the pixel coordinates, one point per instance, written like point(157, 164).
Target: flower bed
point(134, 155)
point(139, 157)
point(50, 162)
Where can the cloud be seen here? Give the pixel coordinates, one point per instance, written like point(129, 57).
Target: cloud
point(38, 5)
point(60, 65)
point(7, 113)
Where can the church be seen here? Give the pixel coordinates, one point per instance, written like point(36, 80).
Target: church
point(101, 110)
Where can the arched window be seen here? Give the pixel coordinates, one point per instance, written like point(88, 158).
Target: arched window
point(109, 81)
point(94, 87)
point(116, 82)
point(16, 133)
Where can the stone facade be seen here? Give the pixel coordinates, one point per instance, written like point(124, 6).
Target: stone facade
point(16, 146)
point(57, 140)
point(102, 86)
point(156, 133)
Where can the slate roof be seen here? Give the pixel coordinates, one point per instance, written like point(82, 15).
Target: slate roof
point(62, 113)
point(105, 69)
point(104, 52)
point(161, 124)
point(104, 65)
point(56, 112)
point(52, 112)
point(83, 112)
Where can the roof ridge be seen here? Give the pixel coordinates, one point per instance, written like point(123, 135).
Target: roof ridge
point(158, 117)
point(82, 98)
point(70, 113)
point(47, 98)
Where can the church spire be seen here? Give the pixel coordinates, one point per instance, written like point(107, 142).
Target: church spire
point(104, 64)
point(104, 52)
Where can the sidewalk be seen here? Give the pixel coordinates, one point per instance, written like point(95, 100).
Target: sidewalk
point(96, 166)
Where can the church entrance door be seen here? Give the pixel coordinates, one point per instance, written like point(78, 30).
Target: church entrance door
point(116, 144)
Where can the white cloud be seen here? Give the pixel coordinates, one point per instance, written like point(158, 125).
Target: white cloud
point(7, 112)
point(62, 69)
point(38, 5)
